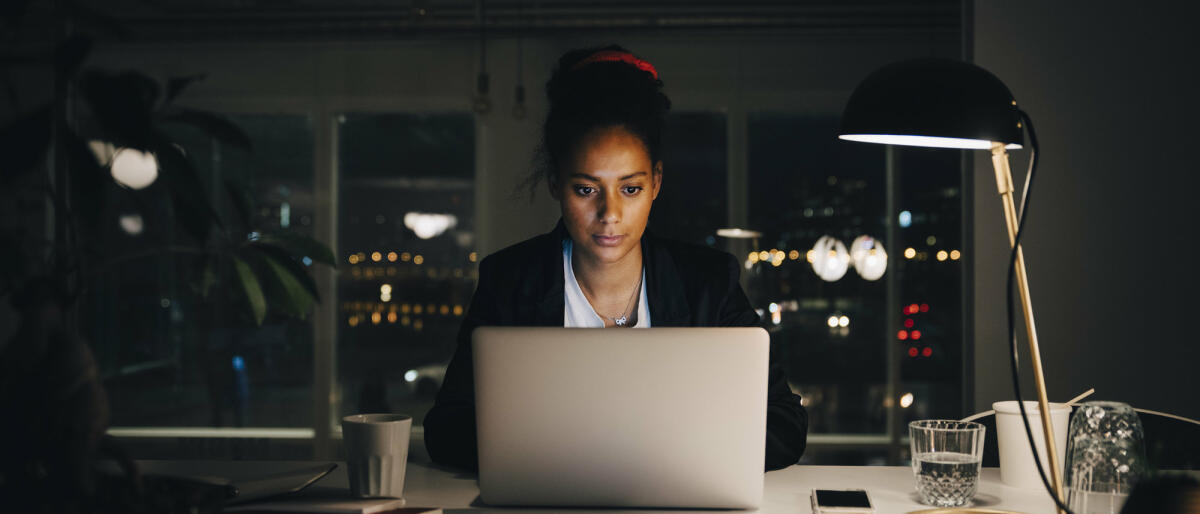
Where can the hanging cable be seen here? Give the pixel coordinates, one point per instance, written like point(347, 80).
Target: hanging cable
point(482, 104)
point(1012, 336)
point(518, 111)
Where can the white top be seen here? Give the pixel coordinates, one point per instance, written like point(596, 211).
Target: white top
point(578, 311)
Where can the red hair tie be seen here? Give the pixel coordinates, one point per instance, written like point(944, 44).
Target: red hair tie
point(618, 56)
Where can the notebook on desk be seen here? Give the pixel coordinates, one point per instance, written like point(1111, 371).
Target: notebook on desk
point(659, 417)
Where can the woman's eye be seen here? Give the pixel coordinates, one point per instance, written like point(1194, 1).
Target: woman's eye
point(633, 190)
point(584, 190)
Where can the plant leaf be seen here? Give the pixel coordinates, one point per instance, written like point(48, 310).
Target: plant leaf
point(214, 125)
point(176, 85)
point(253, 290)
point(122, 104)
point(288, 261)
point(293, 297)
point(192, 209)
point(23, 143)
point(301, 246)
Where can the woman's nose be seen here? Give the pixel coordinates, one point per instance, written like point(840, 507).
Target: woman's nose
point(609, 209)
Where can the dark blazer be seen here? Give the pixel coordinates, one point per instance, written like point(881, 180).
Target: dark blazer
point(522, 285)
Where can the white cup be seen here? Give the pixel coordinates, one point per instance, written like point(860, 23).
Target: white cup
point(376, 453)
point(1016, 461)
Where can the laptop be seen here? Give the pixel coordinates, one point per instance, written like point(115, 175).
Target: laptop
point(657, 417)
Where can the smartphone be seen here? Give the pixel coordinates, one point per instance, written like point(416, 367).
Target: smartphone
point(847, 501)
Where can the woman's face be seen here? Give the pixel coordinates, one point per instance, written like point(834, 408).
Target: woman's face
point(606, 191)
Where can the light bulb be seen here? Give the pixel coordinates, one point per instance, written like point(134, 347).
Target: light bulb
point(428, 225)
point(103, 151)
point(830, 259)
point(870, 259)
point(132, 224)
point(133, 168)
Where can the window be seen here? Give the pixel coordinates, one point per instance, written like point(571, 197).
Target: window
point(185, 361)
point(931, 292)
point(846, 339)
point(406, 250)
point(804, 183)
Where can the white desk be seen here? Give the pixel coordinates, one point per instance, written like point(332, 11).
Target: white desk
point(786, 491)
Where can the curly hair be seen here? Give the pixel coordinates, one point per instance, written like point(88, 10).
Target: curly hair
point(594, 96)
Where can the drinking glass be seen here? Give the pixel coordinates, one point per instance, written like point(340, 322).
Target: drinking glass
point(946, 456)
point(1105, 457)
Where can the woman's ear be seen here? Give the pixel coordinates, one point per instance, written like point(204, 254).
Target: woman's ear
point(658, 171)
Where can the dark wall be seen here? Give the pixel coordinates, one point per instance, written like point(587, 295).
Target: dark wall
point(1111, 238)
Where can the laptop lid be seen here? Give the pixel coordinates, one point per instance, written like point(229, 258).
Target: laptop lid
point(658, 417)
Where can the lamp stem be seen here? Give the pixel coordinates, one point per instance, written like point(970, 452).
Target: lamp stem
point(1004, 182)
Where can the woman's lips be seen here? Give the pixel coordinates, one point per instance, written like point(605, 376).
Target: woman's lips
point(607, 240)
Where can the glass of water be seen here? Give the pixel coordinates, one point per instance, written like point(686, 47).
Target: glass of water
point(946, 456)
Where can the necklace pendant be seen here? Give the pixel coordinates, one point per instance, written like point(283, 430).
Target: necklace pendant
point(620, 321)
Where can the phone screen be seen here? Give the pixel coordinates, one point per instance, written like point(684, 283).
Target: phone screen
point(827, 498)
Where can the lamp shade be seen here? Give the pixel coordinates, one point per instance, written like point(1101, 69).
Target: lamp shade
point(932, 102)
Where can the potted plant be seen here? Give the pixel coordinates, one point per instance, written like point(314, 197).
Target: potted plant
point(99, 125)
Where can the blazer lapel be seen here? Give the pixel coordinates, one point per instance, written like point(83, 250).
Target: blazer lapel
point(549, 309)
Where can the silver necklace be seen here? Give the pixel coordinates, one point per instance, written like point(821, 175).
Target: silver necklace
point(622, 320)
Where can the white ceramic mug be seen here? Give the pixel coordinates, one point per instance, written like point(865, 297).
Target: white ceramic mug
point(1016, 461)
point(376, 453)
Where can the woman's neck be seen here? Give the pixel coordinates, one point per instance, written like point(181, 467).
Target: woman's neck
point(607, 279)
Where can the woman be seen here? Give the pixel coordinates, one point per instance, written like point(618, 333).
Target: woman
point(601, 156)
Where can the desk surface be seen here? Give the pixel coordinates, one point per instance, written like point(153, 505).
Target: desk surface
point(786, 490)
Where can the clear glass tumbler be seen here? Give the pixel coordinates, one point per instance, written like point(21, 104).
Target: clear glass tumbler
point(1105, 457)
point(946, 456)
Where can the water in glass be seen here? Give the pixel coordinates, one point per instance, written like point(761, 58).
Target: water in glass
point(946, 479)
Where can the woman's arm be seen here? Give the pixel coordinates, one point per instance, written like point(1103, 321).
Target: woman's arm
point(450, 424)
point(787, 421)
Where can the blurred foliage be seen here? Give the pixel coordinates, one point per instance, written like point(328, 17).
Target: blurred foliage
point(129, 109)
point(48, 375)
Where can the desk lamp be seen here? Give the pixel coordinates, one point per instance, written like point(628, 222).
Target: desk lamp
point(943, 103)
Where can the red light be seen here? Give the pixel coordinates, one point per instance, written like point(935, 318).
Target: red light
point(912, 352)
point(915, 308)
point(908, 323)
point(926, 352)
point(924, 307)
point(902, 335)
point(916, 334)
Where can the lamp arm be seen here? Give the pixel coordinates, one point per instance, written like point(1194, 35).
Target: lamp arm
point(1013, 221)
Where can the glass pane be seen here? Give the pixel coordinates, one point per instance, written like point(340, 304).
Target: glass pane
point(172, 358)
point(930, 222)
point(693, 203)
point(804, 183)
point(407, 265)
